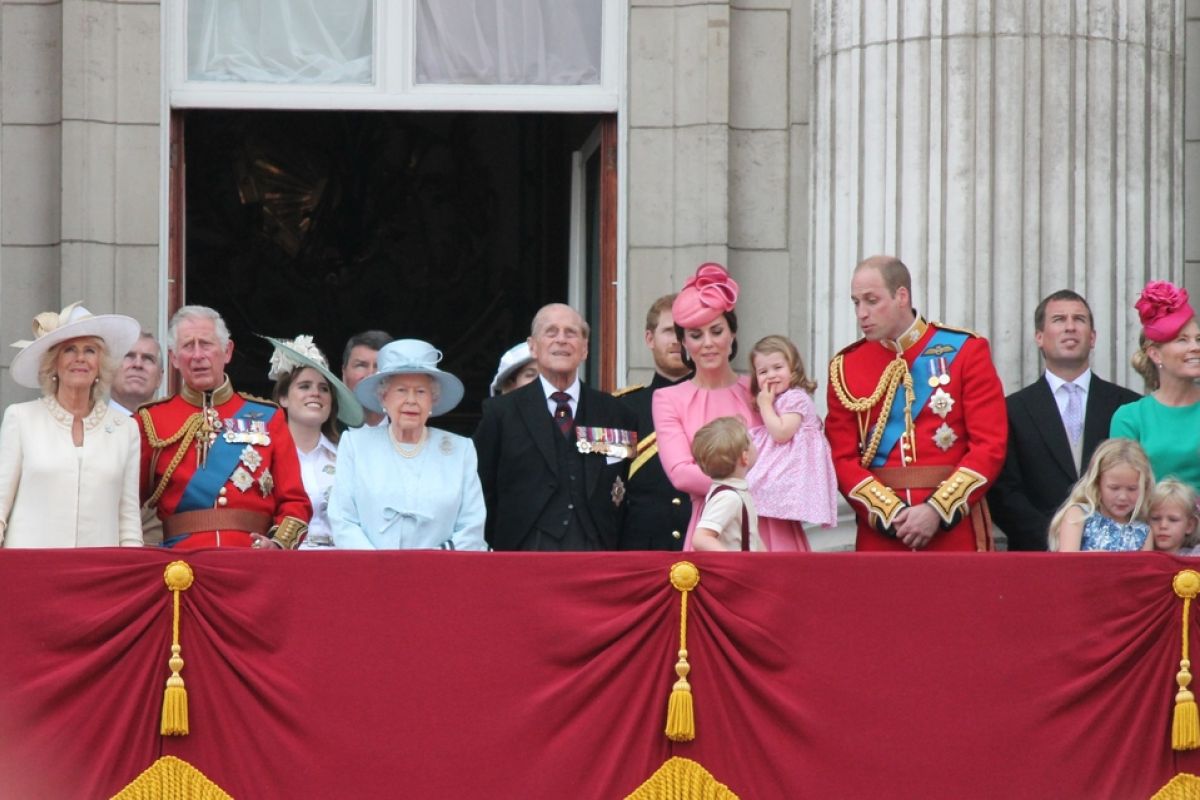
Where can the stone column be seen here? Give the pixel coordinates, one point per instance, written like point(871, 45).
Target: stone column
point(1003, 149)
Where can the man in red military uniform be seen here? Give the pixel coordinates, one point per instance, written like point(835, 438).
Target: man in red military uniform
point(220, 468)
point(916, 421)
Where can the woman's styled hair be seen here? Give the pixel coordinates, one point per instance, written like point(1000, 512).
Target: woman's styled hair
point(784, 347)
point(48, 369)
point(284, 384)
point(1142, 363)
point(435, 386)
point(730, 320)
point(718, 445)
point(1086, 492)
point(1174, 492)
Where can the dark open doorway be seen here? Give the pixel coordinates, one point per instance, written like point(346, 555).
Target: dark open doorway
point(450, 227)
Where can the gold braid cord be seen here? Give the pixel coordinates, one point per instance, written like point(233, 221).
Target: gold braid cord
point(171, 778)
point(682, 779)
point(186, 433)
point(1184, 786)
point(893, 376)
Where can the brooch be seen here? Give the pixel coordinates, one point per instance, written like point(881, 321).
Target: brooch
point(945, 437)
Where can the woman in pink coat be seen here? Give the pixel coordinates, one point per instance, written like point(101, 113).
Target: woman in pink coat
point(707, 328)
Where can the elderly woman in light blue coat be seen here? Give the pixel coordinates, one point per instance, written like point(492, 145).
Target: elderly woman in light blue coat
point(407, 486)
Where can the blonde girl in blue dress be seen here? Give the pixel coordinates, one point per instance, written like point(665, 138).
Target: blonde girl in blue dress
point(1108, 508)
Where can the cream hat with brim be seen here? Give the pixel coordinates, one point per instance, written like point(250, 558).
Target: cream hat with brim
point(515, 359)
point(411, 357)
point(118, 331)
point(301, 352)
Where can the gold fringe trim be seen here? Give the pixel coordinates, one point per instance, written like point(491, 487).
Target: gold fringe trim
point(681, 718)
point(682, 779)
point(171, 778)
point(178, 577)
point(1183, 786)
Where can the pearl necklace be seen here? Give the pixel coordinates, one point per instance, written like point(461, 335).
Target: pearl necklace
point(409, 450)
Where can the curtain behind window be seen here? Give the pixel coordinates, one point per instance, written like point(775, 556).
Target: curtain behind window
point(280, 41)
point(541, 42)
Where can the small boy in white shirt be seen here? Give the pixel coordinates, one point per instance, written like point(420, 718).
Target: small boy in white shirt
point(724, 452)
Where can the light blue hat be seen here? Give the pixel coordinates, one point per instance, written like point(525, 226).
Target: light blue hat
point(410, 357)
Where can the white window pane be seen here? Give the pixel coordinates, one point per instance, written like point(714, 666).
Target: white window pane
point(543, 42)
point(280, 41)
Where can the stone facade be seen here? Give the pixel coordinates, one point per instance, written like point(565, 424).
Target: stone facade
point(80, 198)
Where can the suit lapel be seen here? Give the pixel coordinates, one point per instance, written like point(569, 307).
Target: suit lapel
point(1095, 421)
point(531, 405)
point(1050, 426)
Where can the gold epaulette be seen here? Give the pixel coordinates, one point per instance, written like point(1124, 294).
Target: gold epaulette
point(967, 331)
point(256, 399)
point(879, 500)
point(624, 390)
point(951, 494)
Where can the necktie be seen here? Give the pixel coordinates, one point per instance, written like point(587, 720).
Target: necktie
point(1074, 416)
point(562, 413)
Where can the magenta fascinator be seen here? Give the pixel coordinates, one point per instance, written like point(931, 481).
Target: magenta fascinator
point(707, 295)
point(1164, 309)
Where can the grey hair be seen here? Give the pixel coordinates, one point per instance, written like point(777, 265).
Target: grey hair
point(382, 387)
point(198, 312)
point(48, 372)
point(539, 320)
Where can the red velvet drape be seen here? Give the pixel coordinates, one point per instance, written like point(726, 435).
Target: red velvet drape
point(436, 675)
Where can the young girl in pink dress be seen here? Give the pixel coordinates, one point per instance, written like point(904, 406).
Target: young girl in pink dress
point(793, 478)
point(706, 325)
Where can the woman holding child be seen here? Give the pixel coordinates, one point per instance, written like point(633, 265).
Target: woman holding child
point(707, 327)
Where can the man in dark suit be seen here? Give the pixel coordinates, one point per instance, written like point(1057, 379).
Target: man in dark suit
point(554, 454)
point(1054, 424)
point(656, 513)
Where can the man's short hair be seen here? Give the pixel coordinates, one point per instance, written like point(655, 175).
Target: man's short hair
point(895, 274)
point(662, 304)
point(145, 334)
point(372, 339)
point(536, 325)
point(719, 445)
point(1039, 313)
point(197, 312)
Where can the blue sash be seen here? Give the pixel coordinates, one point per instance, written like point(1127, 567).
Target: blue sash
point(921, 390)
point(205, 484)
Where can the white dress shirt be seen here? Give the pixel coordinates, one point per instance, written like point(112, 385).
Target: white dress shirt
point(1061, 396)
point(318, 469)
point(573, 390)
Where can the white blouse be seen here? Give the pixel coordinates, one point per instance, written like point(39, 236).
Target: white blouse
point(54, 494)
point(318, 468)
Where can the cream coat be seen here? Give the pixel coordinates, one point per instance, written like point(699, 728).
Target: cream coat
point(53, 494)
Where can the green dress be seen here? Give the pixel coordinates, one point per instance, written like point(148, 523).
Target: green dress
point(1170, 435)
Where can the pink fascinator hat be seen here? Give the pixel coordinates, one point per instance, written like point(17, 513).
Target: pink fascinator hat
point(1164, 310)
point(707, 295)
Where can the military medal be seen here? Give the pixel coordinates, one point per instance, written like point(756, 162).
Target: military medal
point(939, 372)
point(266, 482)
point(210, 425)
point(941, 403)
point(241, 479)
point(945, 437)
point(251, 457)
point(612, 442)
point(618, 491)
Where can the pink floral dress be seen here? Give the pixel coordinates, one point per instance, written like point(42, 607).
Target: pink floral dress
point(795, 479)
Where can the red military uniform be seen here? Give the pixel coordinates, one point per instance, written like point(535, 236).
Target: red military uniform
point(948, 434)
point(246, 480)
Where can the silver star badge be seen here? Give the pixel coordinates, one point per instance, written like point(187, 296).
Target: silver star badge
point(941, 403)
point(241, 479)
point(251, 457)
point(945, 437)
point(266, 482)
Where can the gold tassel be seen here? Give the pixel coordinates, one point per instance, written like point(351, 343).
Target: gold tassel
point(681, 717)
point(1185, 727)
point(178, 577)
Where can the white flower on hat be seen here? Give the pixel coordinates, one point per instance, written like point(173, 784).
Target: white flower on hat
point(282, 363)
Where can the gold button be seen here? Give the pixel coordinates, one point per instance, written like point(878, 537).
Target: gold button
point(222, 501)
point(676, 534)
point(223, 491)
point(675, 501)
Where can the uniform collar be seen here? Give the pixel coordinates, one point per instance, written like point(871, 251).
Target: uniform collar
point(661, 381)
point(195, 397)
point(909, 337)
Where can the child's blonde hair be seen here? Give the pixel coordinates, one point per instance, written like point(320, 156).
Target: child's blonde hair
point(1086, 493)
point(784, 347)
point(718, 446)
point(1174, 492)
